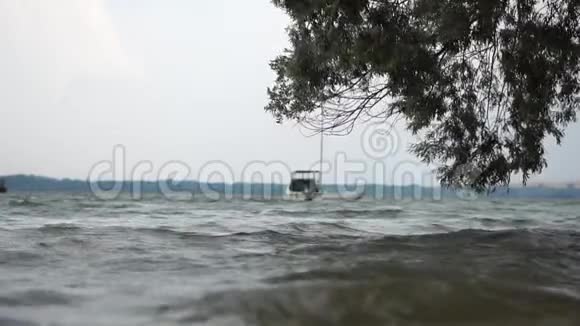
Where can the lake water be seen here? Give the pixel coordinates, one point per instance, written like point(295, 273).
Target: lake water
point(74, 260)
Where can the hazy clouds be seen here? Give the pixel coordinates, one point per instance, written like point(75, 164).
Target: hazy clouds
point(169, 80)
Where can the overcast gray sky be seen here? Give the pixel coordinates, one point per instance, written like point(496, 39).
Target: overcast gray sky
point(169, 80)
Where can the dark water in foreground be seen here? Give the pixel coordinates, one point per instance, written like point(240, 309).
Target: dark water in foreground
point(72, 260)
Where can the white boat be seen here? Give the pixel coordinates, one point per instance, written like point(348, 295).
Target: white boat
point(304, 186)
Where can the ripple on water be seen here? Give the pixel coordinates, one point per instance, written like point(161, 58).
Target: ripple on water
point(15, 322)
point(36, 298)
point(272, 263)
point(398, 301)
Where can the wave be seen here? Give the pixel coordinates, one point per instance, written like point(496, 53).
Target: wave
point(380, 212)
point(531, 237)
point(263, 235)
point(16, 322)
point(411, 299)
point(218, 236)
point(36, 298)
point(388, 211)
point(564, 203)
point(18, 257)
point(26, 202)
point(281, 232)
point(485, 253)
point(60, 227)
point(159, 263)
point(330, 229)
point(323, 229)
point(504, 222)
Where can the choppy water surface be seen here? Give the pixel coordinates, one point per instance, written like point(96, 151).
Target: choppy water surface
point(73, 260)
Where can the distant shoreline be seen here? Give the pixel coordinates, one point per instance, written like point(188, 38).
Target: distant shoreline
point(33, 183)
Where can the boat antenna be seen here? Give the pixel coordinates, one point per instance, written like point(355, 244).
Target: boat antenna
point(321, 144)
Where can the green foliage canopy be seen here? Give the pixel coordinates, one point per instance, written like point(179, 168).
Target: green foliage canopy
point(482, 83)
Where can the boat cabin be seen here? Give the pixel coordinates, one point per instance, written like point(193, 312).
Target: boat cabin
point(305, 183)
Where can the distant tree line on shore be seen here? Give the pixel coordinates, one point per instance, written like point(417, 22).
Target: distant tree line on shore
point(33, 183)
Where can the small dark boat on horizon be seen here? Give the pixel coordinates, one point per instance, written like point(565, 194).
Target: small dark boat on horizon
point(3, 188)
